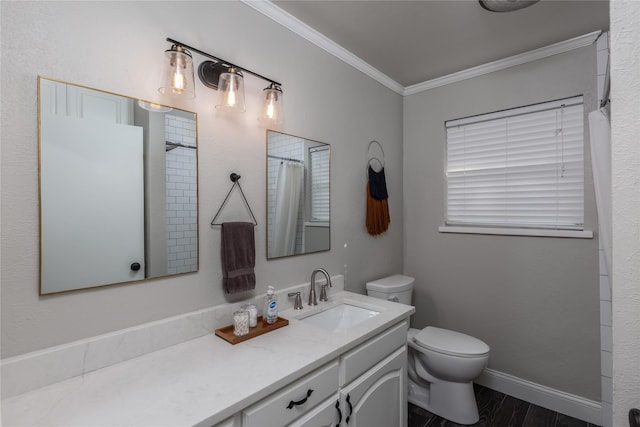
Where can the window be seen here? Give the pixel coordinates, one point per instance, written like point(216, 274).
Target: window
point(319, 160)
point(520, 168)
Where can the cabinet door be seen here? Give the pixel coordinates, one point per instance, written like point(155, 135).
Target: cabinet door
point(327, 414)
point(378, 398)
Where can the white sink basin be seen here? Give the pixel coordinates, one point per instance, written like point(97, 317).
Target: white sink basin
point(340, 317)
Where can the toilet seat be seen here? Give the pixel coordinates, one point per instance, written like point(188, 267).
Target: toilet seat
point(449, 342)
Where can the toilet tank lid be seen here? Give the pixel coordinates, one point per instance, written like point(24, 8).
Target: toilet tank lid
point(450, 342)
point(395, 283)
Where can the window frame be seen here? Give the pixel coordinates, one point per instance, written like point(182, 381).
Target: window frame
point(326, 186)
point(516, 229)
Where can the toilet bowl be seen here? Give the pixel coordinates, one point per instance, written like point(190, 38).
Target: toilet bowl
point(442, 364)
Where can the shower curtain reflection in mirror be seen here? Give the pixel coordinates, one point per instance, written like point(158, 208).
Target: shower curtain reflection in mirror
point(288, 194)
point(298, 195)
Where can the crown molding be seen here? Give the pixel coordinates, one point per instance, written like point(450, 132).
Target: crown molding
point(501, 64)
point(292, 23)
point(289, 21)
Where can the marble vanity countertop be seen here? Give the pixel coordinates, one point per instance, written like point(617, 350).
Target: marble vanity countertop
point(199, 382)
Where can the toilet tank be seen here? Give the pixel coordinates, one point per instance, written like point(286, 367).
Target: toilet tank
point(396, 288)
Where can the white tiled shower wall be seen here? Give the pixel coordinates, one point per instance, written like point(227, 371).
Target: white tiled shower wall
point(606, 335)
point(182, 207)
point(291, 147)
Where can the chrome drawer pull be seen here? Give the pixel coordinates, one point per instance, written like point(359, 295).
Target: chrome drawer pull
point(300, 402)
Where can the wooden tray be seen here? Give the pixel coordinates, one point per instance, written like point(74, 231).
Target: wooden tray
point(226, 333)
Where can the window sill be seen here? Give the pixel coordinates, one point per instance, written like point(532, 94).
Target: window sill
point(586, 234)
point(316, 224)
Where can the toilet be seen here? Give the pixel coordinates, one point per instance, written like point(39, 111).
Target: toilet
point(442, 364)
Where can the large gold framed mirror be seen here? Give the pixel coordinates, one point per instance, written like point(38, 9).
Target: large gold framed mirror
point(118, 188)
point(298, 195)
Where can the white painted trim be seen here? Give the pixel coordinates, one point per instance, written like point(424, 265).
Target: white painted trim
point(585, 234)
point(289, 21)
point(270, 10)
point(555, 400)
point(501, 64)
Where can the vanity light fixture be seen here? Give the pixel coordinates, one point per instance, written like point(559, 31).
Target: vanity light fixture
point(177, 77)
point(228, 79)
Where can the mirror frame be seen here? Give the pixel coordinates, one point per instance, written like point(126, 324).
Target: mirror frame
point(43, 292)
point(271, 258)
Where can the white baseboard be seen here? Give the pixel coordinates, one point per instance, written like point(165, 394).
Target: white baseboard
point(556, 400)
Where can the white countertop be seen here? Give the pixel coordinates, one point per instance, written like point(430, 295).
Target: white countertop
point(198, 382)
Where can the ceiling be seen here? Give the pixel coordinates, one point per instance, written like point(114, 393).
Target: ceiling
point(416, 41)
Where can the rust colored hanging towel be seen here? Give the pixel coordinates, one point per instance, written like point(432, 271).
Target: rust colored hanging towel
point(377, 214)
point(378, 218)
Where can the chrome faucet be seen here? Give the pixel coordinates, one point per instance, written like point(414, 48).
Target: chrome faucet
point(312, 293)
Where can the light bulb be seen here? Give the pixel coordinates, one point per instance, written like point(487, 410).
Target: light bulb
point(231, 99)
point(270, 109)
point(178, 82)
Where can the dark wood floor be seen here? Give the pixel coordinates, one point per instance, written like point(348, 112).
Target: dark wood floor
point(499, 410)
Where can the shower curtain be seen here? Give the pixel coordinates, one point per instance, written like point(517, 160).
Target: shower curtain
point(288, 186)
point(600, 134)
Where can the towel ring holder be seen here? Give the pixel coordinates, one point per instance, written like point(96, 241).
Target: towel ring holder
point(374, 158)
point(235, 178)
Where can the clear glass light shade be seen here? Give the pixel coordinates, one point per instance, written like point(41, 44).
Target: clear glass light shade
point(177, 76)
point(272, 107)
point(153, 107)
point(231, 91)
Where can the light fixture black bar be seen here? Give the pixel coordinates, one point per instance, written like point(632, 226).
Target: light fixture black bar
point(222, 61)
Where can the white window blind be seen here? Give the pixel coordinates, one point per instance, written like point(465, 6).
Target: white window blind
point(319, 161)
point(518, 168)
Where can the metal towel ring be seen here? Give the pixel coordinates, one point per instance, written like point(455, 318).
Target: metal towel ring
point(372, 158)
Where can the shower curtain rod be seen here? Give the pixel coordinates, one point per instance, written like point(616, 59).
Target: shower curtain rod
point(171, 145)
point(285, 158)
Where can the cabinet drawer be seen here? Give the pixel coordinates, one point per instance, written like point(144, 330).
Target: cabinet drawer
point(323, 415)
point(275, 412)
point(358, 360)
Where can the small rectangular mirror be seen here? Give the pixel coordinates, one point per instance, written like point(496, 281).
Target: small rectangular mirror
point(298, 195)
point(118, 188)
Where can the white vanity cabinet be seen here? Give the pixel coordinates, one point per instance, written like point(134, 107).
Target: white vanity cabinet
point(299, 376)
point(365, 387)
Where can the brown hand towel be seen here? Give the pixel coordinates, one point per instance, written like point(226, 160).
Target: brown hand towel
point(238, 254)
point(378, 218)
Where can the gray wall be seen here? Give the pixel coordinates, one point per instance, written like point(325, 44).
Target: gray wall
point(534, 300)
point(118, 46)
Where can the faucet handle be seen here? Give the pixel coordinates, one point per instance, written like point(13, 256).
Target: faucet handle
point(323, 292)
point(297, 304)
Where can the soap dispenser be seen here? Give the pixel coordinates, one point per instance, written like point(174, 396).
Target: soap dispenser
point(270, 312)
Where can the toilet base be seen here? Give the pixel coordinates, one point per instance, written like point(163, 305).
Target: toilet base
point(452, 401)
